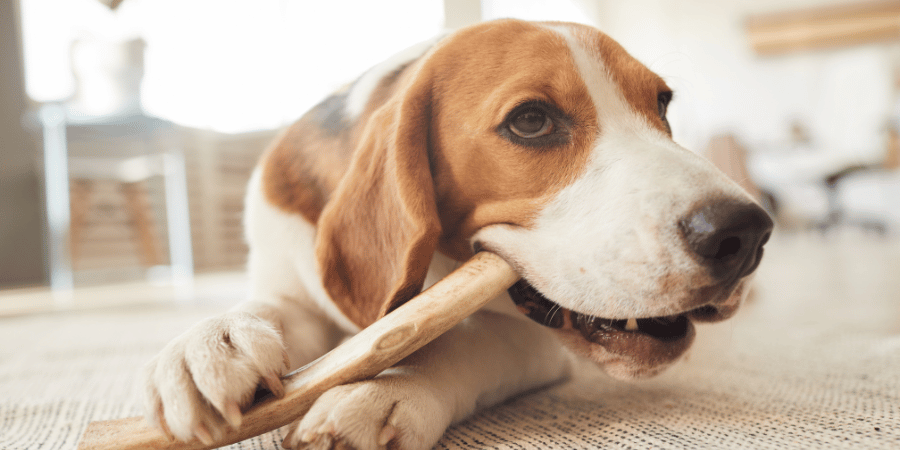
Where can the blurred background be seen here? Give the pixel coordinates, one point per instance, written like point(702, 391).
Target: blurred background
point(129, 128)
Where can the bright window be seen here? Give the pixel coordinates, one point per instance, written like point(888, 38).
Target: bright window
point(228, 65)
point(559, 10)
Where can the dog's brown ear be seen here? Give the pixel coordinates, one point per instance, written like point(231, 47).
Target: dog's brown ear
point(378, 232)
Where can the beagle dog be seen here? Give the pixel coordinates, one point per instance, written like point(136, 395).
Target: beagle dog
point(545, 143)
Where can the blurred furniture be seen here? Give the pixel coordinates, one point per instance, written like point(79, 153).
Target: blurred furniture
point(726, 153)
point(100, 134)
point(218, 168)
point(837, 214)
point(129, 150)
point(131, 175)
point(822, 27)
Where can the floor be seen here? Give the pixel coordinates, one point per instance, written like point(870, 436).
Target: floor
point(845, 277)
point(220, 288)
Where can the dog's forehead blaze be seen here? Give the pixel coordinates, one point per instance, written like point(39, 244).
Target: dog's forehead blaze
point(638, 85)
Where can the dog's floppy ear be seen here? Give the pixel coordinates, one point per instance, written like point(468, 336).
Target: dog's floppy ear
point(378, 232)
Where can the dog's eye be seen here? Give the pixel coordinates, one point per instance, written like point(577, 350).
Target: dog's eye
point(531, 123)
point(536, 124)
point(662, 105)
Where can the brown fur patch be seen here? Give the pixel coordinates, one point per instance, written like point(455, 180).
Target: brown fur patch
point(305, 164)
point(377, 234)
point(301, 170)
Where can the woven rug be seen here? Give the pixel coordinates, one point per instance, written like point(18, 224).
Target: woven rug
point(812, 362)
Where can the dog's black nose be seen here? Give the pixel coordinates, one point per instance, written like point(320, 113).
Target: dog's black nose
point(728, 236)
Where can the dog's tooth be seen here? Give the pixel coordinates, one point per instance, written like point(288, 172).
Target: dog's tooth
point(631, 324)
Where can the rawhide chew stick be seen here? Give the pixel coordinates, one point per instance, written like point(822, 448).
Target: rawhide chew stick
point(368, 353)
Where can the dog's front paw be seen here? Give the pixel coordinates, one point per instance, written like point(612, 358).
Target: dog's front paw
point(198, 383)
point(393, 411)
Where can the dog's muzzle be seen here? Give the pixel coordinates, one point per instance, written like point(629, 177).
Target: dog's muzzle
point(725, 237)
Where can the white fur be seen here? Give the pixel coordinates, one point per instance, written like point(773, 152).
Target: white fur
point(282, 254)
point(362, 89)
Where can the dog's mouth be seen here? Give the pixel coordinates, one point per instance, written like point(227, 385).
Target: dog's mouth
point(595, 329)
point(643, 345)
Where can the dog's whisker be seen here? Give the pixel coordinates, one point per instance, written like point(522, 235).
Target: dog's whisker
point(552, 314)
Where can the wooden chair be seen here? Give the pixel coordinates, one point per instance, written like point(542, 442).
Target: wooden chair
point(129, 150)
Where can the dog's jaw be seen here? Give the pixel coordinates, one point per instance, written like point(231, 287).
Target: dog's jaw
point(627, 359)
point(641, 340)
point(629, 348)
point(625, 348)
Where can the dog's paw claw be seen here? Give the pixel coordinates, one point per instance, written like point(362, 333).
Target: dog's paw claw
point(309, 441)
point(232, 414)
point(288, 442)
point(272, 381)
point(388, 433)
point(203, 434)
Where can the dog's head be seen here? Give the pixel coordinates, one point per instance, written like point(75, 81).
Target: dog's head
point(549, 145)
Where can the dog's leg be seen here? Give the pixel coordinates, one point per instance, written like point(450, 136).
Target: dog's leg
point(199, 382)
point(279, 298)
point(484, 360)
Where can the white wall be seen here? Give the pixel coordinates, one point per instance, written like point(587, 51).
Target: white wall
point(700, 47)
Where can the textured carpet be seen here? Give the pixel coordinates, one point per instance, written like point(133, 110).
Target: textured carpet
point(812, 362)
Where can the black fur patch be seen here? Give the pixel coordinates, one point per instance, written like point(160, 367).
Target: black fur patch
point(329, 114)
